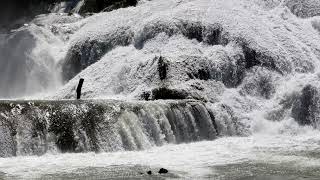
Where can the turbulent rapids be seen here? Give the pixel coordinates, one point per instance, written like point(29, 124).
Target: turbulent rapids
point(224, 89)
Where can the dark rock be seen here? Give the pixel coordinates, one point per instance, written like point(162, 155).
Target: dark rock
point(105, 5)
point(253, 58)
point(203, 74)
point(193, 30)
point(162, 68)
point(165, 93)
point(214, 35)
point(163, 171)
point(305, 110)
point(149, 172)
point(145, 96)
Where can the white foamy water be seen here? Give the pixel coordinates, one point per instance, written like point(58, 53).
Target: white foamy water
point(225, 158)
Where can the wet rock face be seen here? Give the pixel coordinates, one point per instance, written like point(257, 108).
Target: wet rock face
point(306, 109)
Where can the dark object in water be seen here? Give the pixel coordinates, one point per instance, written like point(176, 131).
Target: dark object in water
point(79, 88)
point(163, 171)
point(149, 172)
point(145, 96)
point(162, 68)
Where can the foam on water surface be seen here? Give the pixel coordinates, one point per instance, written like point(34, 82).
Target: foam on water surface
point(226, 158)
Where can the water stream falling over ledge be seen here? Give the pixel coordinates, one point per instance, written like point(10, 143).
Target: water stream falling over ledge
point(39, 127)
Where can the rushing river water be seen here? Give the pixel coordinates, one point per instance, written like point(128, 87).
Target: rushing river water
point(258, 157)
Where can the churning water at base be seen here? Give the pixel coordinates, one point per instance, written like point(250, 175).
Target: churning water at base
point(257, 157)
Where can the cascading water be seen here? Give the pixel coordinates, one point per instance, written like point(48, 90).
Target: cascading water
point(102, 126)
point(209, 89)
point(30, 54)
point(28, 62)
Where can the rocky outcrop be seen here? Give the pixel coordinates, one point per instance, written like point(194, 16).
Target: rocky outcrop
point(306, 109)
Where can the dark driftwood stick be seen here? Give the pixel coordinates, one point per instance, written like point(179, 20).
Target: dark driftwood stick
point(79, 88)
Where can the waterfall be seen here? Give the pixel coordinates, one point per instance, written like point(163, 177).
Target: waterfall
point(39, 127)
point(28, 62)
